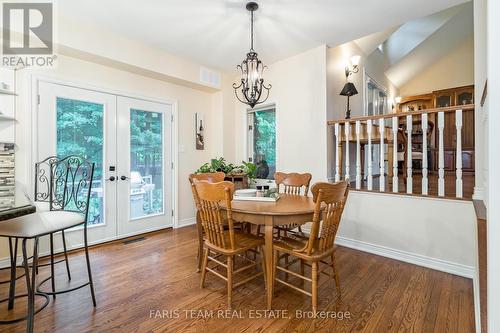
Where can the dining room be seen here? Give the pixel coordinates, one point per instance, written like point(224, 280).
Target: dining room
point(240, 166)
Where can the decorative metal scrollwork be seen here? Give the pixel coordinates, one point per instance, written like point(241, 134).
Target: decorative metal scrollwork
point(65, 183)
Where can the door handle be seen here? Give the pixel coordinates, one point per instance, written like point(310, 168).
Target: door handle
point(112, 178)
point(124, 178)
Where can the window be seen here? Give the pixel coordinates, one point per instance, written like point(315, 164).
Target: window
point(376, 97)
point(80, 132)
point(146, 163)
point(262, 141)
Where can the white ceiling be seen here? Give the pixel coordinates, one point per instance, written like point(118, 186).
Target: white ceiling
point(369, 43)
point(442, 42)
point(215, 33)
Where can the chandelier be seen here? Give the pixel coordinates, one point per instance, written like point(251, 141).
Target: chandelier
point(251, 88)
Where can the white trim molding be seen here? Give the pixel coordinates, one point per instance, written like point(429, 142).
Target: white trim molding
point(412, 258)
point(185, 222)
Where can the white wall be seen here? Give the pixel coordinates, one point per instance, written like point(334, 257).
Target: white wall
point(299, 92)
point(376, 65)
point(493, 225)
point(455, 69)
point(79, 39)
point(481, 112)
point(436, 233)
point(337, 58)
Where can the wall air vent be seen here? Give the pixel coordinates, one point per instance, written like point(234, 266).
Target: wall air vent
point(210, 77)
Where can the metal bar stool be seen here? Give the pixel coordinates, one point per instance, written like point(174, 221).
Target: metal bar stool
point(12, 288)
point(67, 188)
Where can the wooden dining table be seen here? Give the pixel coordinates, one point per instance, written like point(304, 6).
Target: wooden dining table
point(296, 209)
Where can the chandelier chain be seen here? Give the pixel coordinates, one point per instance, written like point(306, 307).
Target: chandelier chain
point(251, 31)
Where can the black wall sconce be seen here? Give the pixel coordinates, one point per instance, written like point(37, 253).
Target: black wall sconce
point(349, 88)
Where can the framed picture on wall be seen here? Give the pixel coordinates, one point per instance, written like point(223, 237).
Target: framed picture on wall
point(200, 129)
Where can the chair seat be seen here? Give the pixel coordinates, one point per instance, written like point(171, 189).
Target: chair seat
point(242, 242)
point(417, 155)
point(40, 223)
point(291, 245)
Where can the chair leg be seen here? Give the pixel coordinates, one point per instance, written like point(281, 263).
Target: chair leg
point(30, 283)
point(336, 275)
point(13, 264)
point(66, 254)
point(52, 275)
point(276, 256)
point(286, 265)
point(302, 270)
point(89, 271)
point(263, 262)
point(230, 282)
point(200, 244)
point(203, 268)
point(314, 288)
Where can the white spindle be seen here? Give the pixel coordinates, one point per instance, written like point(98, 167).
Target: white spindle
point(458, 123)
point(347, 129)
point(425, 181)
point(395, 154)
point(381, 127)
point(409, 170)
point(337, 155)
point(358, 156)
point(441, 154)
point(370, 161)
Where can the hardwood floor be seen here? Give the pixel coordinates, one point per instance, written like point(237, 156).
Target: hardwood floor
point(148, 286)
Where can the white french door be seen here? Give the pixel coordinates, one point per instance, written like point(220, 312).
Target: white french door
point(128, 140)
point(144, 166)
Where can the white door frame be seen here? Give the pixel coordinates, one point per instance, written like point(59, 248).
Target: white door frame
point(33, 134)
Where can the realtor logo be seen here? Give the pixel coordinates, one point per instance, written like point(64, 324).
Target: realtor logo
point(32, 22)
point(28, 34)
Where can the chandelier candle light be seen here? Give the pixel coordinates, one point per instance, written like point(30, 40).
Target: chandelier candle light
point(252, 84)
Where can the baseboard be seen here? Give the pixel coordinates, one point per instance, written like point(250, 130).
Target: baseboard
point(185, 222)
point(412, 258)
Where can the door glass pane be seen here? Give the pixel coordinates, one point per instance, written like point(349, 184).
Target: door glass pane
point(264, 141)
point(146, 163)
point(80, 132)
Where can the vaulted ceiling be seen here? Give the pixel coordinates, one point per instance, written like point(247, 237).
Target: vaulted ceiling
point(215, 33)
point(412, 47)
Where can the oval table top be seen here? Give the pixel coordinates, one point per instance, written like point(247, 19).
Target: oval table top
point(286, 205)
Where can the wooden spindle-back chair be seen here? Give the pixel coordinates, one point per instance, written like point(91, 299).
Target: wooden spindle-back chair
point(212, 177)
point(330, 200)
point(295, 184)
point(214, 209)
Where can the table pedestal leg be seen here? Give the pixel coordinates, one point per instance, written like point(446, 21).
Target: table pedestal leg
point(268, 252)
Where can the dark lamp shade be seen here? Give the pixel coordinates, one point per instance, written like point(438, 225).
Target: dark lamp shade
point(349, 90)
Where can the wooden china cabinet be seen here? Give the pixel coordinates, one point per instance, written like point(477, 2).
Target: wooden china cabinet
point(455, 97)
point(438, 99)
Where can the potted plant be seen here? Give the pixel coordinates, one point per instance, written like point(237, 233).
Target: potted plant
point(247, 169)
